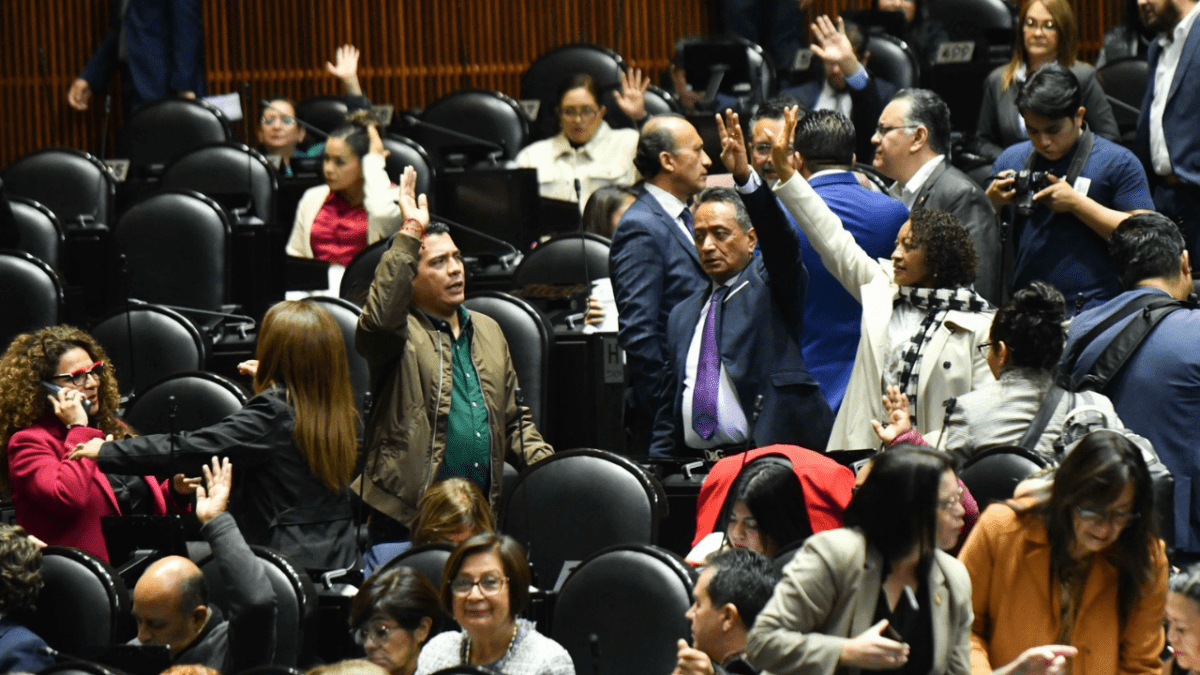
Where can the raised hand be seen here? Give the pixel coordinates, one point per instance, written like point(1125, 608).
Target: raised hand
point(831, 44)
point(412, 207)
point(733, 146)
point(895, 403)
point(631, 97)
point(345, 68)
point(781, 145)
point(213, 496)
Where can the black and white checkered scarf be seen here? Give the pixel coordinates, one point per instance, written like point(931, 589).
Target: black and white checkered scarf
point(935, 303)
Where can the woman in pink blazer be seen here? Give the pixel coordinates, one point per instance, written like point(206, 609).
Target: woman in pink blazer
point(61, 501)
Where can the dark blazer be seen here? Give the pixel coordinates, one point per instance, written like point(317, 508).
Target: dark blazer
point(1000, 122)
point(1179, 117)
point(21, 650)
point(759, 337)
point(164, 40)
point(949, 189)
point(866, 105)
point(653, 267)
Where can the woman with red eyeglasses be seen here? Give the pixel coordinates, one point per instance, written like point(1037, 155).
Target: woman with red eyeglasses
point(57, 390)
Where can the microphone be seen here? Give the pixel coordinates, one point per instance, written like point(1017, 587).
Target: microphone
point(267, 104)
point(482, 235)
point(594, 648)
point(587, 273)
point(172, 408)
point(533, 573)
point(497, 149)
point(104, 127)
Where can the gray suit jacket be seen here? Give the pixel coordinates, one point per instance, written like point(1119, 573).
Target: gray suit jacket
point(828, 595)
point(948, 189)
point(998, 413)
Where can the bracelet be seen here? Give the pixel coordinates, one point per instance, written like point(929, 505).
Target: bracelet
point(77, 424)
point(414, 228)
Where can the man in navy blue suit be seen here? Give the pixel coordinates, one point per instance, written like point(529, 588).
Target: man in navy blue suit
point(1169, 112)
point(158, 44)
point(738, 338)
point(653, 262)
point(824, 156)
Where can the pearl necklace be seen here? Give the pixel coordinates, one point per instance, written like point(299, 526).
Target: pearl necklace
point(466, 648)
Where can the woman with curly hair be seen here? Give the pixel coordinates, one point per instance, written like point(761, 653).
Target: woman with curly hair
point(295, 441)
point(922, 323)
point(59, 501)
point(21, 650)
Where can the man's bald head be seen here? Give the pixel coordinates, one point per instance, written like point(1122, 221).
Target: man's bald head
point(170, 603)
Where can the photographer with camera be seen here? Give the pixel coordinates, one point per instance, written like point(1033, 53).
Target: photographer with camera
point(1063, 192)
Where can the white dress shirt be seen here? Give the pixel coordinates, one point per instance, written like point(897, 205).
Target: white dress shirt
point(671, 204)
point(1164, 75)
point(908, 194)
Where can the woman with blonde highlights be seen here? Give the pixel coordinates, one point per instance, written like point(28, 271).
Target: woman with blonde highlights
point(296, 439)
point(1048, 32)
point(59, 501)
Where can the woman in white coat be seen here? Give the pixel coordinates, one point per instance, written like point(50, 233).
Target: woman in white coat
point(922, 323)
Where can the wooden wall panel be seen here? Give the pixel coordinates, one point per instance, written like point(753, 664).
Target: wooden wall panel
point(413, 50)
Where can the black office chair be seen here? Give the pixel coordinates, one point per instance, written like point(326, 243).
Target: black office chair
point(993, 474)
point(162, 130)
point(73, 184)
point(39, 232)
point(84, 607)
point(566, 259)
point(660, 102)
point(547, 74)
point(236, 176)
point(482, 113)
point(530, 339)
point(176, 245)
point(356, 280)
point(272, 670)
point(894, 61)
point(78, 668)
point(30, 293)
point(327, 113)
point(184, 402)
point(761, 81)
point(575, 503)
point(881, 182)
point(295, 604)
point(346, 313)
point(1124, 83)
point(407, 152)
point(465, 670)
point(989, 26)
point(631, 600)
point(429, 560)
point(147, 343)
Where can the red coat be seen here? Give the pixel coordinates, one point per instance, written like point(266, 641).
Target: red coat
point(61, 501)
point(827, 487)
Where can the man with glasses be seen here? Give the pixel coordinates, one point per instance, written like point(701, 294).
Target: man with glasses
point(654, 265)
point(912, 142)
point(1169, 112)
point(1068, 189)
point(1157, 391)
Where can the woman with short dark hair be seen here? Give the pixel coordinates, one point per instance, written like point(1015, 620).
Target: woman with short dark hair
point(879, 593)
point(392, 615)
point(1076, 575)
point(485, 585)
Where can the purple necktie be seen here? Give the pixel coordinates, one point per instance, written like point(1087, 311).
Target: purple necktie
point(686, 217)
point(708, 373)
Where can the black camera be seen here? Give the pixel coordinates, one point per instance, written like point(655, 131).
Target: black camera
point(1027, 184)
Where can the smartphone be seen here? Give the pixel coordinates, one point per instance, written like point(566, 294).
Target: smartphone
point(53, 390)
point(891, 633)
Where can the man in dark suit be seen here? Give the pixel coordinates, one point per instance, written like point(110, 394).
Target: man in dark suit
point(1169, 112)
point(911, 141)
point(847, 88)
point(653, 262)
point(158, 44)
point(738, 338)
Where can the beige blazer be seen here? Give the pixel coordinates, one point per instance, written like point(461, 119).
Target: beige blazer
point(951, 364)
point(828, 595)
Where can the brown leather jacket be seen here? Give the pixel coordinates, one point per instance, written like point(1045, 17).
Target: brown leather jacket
point(410, 364)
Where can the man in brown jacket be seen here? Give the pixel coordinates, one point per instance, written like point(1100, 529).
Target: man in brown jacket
point(443, 379)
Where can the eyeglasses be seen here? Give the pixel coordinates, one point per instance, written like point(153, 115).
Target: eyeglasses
point(79, 377)
point(378, 634)
point(585, 113)
point(950, 503)
point(1117, 518)
point(985, 348)
point(1047, 26)
point(488, 585)
point(882, 131)
point(285, 120)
